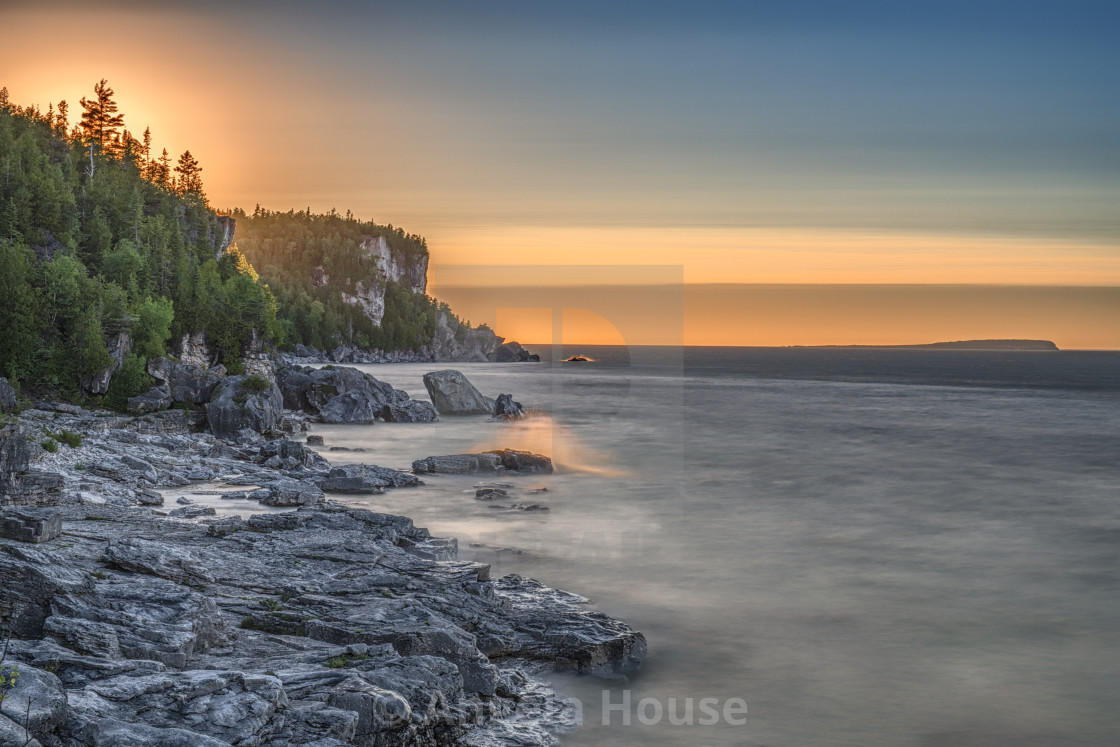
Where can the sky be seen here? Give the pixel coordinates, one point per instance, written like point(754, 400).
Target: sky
point(824, 143)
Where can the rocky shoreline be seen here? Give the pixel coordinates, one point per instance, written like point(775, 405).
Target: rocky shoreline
point(309, 623)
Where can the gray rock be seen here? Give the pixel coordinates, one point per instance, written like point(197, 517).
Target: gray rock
point(224, 526)
point(157, 559)
point(234, 410)
point(186, 382)
point(531, 507)
point(192, 512)
point(453, 394)
point(155, 399)
point(489, 494)
point(505, 408)
point(8, 401)
point(183, 500)
point(487, 461)
point(337, 394)
point(510, 352)
point(314, 440)
point(149, 498)
point(142, 468)
point(413, 411)
point(365, 478)
point(33, 525)
point(289, 493)
point(226, 707)
point(515, 460)
point(458, 464)
point(37, 702)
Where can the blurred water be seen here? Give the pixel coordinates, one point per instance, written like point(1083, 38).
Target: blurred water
point(863, 553)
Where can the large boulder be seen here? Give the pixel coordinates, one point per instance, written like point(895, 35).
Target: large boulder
point(155, 399)
point(244, 403)
point(453, 394)
point(187, 382)
point(337, 394)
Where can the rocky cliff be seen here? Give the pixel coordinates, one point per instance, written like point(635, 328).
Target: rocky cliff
point(393, 266)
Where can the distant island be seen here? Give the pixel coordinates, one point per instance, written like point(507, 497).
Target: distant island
point(960, 345)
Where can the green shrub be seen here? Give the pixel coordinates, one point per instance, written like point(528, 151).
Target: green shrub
point(71, 439)
point(50, 445)
point(130, 380)
point(256, 384)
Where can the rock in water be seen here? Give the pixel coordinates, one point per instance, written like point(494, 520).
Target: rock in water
point(487, 461)
point(337, 394)
point(365, 478)
point(453, 394)
point(235, 408)
point(505, 408)
point(413, 411)
point(192, 511)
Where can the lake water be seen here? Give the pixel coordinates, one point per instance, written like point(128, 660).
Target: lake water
point(868, 547)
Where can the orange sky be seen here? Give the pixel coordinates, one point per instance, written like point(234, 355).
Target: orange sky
point(542, 159)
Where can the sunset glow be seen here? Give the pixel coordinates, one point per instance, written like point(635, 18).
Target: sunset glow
point(582, 160)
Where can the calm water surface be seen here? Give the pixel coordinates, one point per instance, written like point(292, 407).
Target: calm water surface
point(868, 547)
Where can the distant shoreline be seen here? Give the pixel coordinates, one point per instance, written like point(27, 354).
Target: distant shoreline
point(1043, 346)
point(1028, 345)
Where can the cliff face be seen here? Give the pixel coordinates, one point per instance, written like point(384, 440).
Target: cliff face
point(393, 266)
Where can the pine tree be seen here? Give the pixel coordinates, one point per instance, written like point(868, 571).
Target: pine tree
point(147, 151)
point(162, 169)
point(62, 119)
point(190, 174)
point(100, 121)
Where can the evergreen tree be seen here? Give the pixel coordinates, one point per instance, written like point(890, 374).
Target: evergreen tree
point(190, 175)
point(100, 119)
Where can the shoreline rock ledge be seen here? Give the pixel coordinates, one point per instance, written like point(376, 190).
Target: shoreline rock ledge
point(327, 625)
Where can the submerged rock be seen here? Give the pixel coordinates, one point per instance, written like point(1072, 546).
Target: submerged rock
point(191, 511)
point(453, 394)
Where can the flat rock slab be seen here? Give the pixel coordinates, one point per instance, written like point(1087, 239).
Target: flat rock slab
point(502, 460)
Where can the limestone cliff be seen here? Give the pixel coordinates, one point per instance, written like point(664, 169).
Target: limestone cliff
point(392, 266)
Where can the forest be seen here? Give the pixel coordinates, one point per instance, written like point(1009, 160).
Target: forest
point(107, 246)
point(310, 260)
